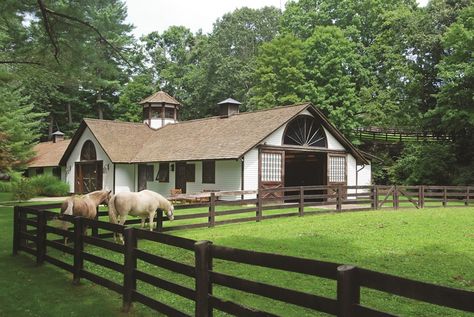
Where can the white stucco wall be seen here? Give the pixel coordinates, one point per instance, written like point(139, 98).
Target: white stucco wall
point(251, 171)
point(364, 175)
point(125, 178)
point(157, 123)
point(75, 156)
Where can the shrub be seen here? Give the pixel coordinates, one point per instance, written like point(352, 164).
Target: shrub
point(424, 163)
point(49, 185)
point(22, 189)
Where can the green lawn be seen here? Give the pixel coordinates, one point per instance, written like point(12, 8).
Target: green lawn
point(432, 245)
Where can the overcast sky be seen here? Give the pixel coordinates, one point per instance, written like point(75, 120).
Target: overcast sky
point(157, 15)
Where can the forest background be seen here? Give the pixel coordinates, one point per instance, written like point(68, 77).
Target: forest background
point(365, 63)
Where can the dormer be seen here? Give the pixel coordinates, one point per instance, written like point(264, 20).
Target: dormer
point(228, 107)
point(159, 110)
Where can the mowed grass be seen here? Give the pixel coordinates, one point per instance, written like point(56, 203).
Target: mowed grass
point(431, 245)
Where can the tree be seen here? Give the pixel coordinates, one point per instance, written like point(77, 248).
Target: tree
point(19, 126)
point(128, 107)
point(280, 73)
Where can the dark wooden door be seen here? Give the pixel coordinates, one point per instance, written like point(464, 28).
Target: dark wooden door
point(180, 182)
point(88, 177)
point(272, 172)
point(141, 176)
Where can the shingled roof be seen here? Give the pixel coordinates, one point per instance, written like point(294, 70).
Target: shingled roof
point(160, 97)
point(48, 154)
point(202, 139)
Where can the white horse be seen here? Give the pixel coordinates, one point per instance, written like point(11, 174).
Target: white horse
point(142, 204)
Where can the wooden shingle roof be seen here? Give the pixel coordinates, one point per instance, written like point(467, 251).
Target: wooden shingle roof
point(202, 139)
point(160, 97)
point(48, 154)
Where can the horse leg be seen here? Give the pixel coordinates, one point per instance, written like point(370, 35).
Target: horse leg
point(152, 215)
point(143, 222)
point(122, 220)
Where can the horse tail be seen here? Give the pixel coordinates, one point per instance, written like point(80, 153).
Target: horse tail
point(112, 211)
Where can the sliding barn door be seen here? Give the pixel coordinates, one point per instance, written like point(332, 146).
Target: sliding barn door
point(272, 172)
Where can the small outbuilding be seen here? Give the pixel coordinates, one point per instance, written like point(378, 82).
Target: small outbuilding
point(47, 157)
point(285, 146)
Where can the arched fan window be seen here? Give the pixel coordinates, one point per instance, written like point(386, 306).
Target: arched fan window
point(304, 130)
point(88, 151)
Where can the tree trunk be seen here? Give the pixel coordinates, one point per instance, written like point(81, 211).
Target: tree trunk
point(100, 110)
point(50, 126)
point(69, 113)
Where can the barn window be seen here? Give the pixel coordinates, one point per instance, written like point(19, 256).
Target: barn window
point(57, 172)
point(39, 170)
point(271, 167)
point(208, 172)
point(163, 173)
point(88, 151)
point(146, 113)
point(337, 169)
point(150, 171)
point(190, 173)
point(304, 130)
point(169, 113)
point(155, 113)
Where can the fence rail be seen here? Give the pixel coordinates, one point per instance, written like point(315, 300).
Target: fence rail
point(33, 235)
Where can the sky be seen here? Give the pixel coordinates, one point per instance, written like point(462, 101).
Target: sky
point(158, 15)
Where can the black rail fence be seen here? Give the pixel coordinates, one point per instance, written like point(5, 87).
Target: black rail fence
point(34, 234)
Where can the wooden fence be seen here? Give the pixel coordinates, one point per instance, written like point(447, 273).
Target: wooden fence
point(299, 201)
point(34, 235)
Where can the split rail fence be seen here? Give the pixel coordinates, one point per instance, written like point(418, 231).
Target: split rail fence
point(308, 200)
point(35, 234)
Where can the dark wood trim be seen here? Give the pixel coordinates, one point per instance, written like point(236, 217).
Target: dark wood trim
point(301, 149)
point(163, 107)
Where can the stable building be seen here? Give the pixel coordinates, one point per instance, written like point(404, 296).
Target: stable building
point(286, 146)
point(47, 157)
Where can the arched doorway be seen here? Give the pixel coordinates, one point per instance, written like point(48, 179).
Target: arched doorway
point(88, 170)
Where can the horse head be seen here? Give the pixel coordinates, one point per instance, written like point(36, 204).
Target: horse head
point(170, 212)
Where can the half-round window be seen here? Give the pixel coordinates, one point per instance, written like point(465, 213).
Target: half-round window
point(88, 151)
point(305, 130)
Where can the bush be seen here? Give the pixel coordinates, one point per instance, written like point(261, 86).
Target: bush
point(49, 185)
point(424, 163)
point(22, 189)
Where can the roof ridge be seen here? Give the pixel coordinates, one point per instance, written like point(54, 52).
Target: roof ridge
point(114, 121)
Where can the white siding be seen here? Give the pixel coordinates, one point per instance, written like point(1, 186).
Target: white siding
point(228, 177)
point(364, 176)
point(163, 188)
point(251, 171)
point(276, 138)
point(124, 178)
point(156, 123)
point(333, 144)
point(101, 155)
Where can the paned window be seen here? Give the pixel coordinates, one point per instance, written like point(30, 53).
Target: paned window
point(169, 113)
point(208, 172)
point(88, 151)
point(190, 173)
point(271, 167)
point(337, 169)
point(305, 131)
point(155, 112)
point(57, 172)
point(163, 173)
point(39, 170)
point(150, 171)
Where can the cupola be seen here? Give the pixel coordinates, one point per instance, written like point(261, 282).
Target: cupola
point(228, 107)
point(160, 109)
point(57, 136)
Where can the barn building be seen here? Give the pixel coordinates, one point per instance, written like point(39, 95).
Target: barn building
point(285, 146)
point(47, 157)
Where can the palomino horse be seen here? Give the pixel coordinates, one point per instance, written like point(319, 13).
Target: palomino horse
point(84, 206)
point(142, 204)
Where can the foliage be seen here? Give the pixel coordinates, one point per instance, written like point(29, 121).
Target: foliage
point(424, 163)
point(48, 185)
point(19, 126)
point(22, 189)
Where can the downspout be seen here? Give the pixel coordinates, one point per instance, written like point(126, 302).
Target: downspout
point(357, 176)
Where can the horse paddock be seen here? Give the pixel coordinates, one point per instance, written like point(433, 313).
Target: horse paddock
point(430, 245)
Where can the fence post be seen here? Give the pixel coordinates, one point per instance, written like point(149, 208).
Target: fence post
point(159, 220)
point(348, 290)
point(445, 196)
point(259, 206)
point(339, 198)
point(78, 249)
point(212, 210)
point(203, 265)
point(395, 197)
point(466, 203)
point(16, 229)
point(95, 230)
point(375, 198)
point(301, 203)
point(40, 238)
point(130, 264)
point(421, 196)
